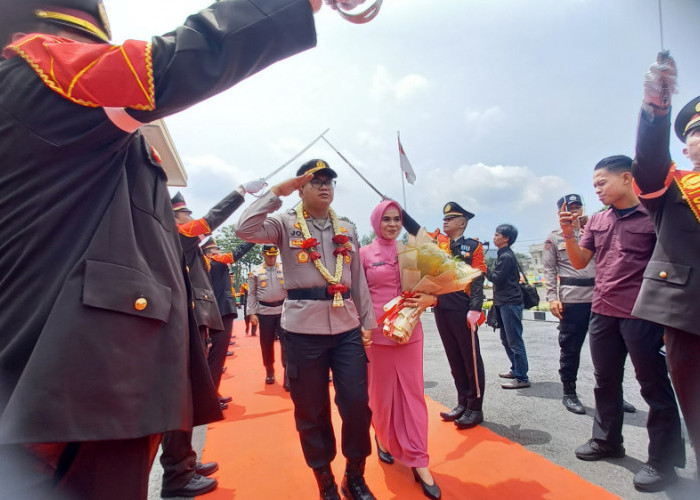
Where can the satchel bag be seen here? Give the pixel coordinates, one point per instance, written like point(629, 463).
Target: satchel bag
point(530, 296)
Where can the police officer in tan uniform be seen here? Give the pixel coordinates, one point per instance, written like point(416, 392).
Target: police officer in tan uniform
point(327, 310)
point(569, 300)
point(266, 295)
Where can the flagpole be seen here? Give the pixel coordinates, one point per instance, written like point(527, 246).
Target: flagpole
point(403, 175)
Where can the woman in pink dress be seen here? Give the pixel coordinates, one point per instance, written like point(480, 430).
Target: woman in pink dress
point(396, 392)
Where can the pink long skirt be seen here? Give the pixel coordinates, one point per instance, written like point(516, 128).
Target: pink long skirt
point(397, 399)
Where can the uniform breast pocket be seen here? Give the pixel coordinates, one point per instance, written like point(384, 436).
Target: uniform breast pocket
point(125, 290)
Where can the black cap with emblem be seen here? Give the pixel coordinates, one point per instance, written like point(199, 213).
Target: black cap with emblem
point(179, 205)
point(453, 209)
point(688, 119)
point(86, 16)
point(270, 250)
point(209, 244)
point(569, 199)
point(317, 167)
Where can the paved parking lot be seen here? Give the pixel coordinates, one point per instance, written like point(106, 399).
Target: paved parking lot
point(536, 418)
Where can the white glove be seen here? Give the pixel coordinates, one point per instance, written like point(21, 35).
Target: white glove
point(253, 186)
point(660, 81)
point(473, 318)
point(344, 4)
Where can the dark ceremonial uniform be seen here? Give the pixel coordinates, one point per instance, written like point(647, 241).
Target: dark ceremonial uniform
point(191, 234)
point(179, 458)
point(221, 282)
point(461, 344)
point(267, 294)
point(319, 336)
point(104, 355)
point(574, 289)
point(671, 283)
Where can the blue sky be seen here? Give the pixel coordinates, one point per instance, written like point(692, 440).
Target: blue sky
point(503, 105)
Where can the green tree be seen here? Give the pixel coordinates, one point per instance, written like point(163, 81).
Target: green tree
point(367, 239)
point(228, 241)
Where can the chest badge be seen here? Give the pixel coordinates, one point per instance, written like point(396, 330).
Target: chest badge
point(302, 257)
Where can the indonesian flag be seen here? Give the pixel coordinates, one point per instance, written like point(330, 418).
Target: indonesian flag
point(406, 165)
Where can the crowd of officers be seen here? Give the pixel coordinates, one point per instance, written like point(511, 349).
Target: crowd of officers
point(126, 346)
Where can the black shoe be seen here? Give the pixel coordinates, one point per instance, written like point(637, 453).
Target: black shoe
point(627, 407)
point(225, 400)
point(270, 379)
point(429, 490)
point(198, 485)
point(470, 418)
point(223, 406)
point(326, 483)
point(573, 404)
point(356, 488)
point(454, 414)
point(229, 353)
point(651, 478)
point(384, 456)
point(596, 450)
point(206, 469)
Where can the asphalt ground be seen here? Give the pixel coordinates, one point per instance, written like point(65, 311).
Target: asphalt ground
point(535, 417)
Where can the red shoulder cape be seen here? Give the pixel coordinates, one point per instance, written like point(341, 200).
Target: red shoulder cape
point(91, 74)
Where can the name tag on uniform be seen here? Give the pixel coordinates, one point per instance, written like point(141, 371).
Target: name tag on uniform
point(378, 263)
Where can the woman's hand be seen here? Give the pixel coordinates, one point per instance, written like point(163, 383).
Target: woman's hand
point(421, 301)
point(366, 337)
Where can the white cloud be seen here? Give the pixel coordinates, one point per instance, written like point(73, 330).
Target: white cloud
point(403, 88)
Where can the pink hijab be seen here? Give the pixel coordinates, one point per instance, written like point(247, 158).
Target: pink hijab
point(381, 248)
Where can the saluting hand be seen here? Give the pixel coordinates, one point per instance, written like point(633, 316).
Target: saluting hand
point(287, 187)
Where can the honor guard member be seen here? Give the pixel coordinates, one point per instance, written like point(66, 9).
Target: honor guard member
point(327, 310)
point(458, 316)
point(671, 283)
point(115, 305)
point(244, 302)
point(181, 472)
point(219, 263)
point(266, 295)
point(569, 293)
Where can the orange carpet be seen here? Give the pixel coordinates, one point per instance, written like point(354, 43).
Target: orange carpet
point(259, 453)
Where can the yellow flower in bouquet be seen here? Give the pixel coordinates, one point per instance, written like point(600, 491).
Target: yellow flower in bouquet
point(424, 268)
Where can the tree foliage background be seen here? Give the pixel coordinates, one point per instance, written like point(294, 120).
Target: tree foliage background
point(228, 241)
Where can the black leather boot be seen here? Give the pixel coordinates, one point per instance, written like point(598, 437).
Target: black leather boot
point(354, 485)
point(326, 483)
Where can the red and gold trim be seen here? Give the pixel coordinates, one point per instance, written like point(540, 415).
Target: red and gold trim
point(223, 258)
point(194, 228)
point(91, 74)
point(689, 184)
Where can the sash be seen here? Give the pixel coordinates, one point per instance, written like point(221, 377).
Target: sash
point(689, 184)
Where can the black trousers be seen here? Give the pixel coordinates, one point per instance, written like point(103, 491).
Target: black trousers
point(269, 326)
point(309, 359)
point(89, 470)
point(610, 340)
point(683, 358)
point(464, 355)
point(178, 459)
point(572, 333)
point(218, 349)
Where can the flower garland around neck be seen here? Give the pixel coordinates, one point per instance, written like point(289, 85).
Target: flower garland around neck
point(342, 242)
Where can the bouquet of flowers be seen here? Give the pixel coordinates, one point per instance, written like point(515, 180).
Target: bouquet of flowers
point(425, 268)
